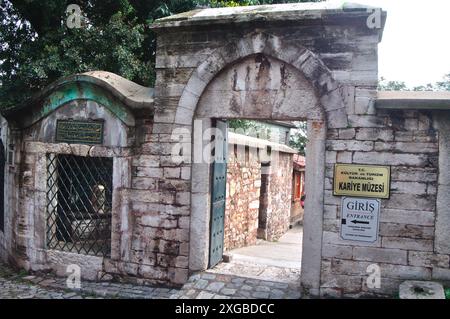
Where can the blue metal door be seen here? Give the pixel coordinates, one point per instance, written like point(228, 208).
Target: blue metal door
point(218, 193)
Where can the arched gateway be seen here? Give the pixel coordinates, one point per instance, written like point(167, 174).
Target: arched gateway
point(113, 177)
point(260, 77)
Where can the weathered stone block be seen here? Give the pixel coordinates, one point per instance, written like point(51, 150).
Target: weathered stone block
point(394, 256)
point(441, 274)
point(162, 128)
point(406, 230)
point(388, 287)
point(200, 176)
point(146, 161)
point(413, 174)
point(186, 173)
point(330, 211)
point(144, 196)
point(344, 157)
point(333, 238)
point(144, 183)
point(413, 217)
point(158, 148)
point(405, 272)
point(330, 292)
point(374, 134)
point(172, 185)
point(411, 124)
point(184, 222)
point(386, 158)
point(342, 145)
point(176, 234)
point(421, 290)
point(330, 157)
point(345, 282)
point(152, 172)
point(409, 201)
point(362, 105)
point(348, 267)
point(172, 172)
point(424, 259)
point(184, 249)
point(407, 243)
point(404, 147)
point(366, 121)
point(159, 220)
point(337, 251)
point(409, 187)
point(183, 198)
point(347, 134)
point(331, 225)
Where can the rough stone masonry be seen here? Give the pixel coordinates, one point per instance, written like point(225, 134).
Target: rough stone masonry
point(314, 62)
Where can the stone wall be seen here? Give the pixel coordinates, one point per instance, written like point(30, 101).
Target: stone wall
point(276, 195)
point(242, 204)
point(404, 250)
point(258, 191)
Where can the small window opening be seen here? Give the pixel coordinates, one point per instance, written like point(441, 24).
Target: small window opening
point(79, 203)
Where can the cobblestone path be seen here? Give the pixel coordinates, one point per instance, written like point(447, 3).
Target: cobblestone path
point(205, 285)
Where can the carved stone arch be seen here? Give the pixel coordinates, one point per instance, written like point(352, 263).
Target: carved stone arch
point(299, 57)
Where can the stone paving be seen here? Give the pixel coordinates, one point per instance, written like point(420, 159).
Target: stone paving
point(200, 286)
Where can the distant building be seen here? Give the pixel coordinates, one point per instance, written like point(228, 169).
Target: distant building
point(280, 131)
point(298, 188)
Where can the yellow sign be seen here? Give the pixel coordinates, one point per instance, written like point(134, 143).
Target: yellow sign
point(362, 180)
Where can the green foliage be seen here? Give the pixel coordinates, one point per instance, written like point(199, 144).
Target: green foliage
point(299, 138)
point(111, 39)
point(37, 47)
point(385, 85)
point(250, 128)
point(447, 293)
point(443, 85)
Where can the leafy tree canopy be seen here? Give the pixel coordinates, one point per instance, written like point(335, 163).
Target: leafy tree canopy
point(299, 138)
point(443, 85)
point(37, 47)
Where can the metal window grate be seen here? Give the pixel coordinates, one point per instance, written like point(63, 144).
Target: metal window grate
point(79, 196)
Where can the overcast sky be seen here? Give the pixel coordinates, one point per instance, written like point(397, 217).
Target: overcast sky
point(416, 40)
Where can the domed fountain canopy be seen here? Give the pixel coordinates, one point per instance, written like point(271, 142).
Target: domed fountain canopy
point(122, 97)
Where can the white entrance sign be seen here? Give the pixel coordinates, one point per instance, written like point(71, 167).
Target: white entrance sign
point(359, 219)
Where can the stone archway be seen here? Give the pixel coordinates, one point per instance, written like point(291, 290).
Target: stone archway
point(328, 112)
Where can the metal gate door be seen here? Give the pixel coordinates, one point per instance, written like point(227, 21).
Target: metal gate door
point(219, 181)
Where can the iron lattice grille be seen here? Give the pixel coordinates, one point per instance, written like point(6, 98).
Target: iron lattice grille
point(79, 202)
